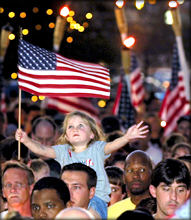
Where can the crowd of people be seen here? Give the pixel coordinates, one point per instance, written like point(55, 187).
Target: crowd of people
point(74, 168)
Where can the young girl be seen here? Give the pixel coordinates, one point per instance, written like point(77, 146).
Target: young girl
point(82, 141)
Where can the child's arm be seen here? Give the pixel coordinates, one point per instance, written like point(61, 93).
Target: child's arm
point(134, 132)
point(33, 145)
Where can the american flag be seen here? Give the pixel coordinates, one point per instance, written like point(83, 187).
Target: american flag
point(136, 82)
point(46, 73)
point(174, 104)
point(123, 107)
point(66, 105)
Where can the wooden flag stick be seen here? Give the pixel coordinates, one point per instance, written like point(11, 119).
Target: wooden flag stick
point(122, 24)
point(19, 125)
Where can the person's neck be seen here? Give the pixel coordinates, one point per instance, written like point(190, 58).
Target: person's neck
point(158, 215)
point(23, 209)
point(80, 148)
point(135, 199)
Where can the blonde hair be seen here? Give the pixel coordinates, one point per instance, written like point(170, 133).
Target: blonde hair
point(98, 133)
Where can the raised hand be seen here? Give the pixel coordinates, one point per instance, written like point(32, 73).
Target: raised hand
point(137, 131)
point(20, 135)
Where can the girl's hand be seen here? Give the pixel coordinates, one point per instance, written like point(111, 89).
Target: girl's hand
point(20, 135)
point(137, 131)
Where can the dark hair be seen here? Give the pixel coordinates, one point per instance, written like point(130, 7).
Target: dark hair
point(184, 118)
point(136, 214)
point(9, 150)
point(37, 120)
point(53, 183)
point(170, 170)
point(21, 166)
point(91, 173)
point(110, 124)
point(148, 204)
point(115, 175)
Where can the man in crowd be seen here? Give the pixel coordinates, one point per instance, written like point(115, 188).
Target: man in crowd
point(137, 174)
point(184, 126)
point(81, 181)
point(170, 185)
point(49, 196)
point(17, 183)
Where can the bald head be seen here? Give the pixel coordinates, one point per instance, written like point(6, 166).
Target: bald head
point(74, 213)
point(138, 156)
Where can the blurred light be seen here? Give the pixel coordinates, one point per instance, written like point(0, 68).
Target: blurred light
point(11, 36)
point(77, 26)
point(69, 19)
point(41, 97)
point(173, 4)
point(25, 31)
point(71, 13)
point(64, 11)
point(69, 39)
point(139, 4)
point(152, 2)
point(89, 15)
point(180, 1)
point(11, 14)
point(51, 25)
point(129, 42)
point(1, 10)
point(35, 10)
point(85, 24)
point(101, 103)
point(13, 75)
point(81, 29)
point(34, 98)
point(163, 124)
point(49, 11)
point(72, 26)
point(166, 84)
point(23, 15)
point(168, 18)
point(119, 3)
point(38, 27)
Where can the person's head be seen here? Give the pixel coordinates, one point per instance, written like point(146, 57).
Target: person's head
point(40, 168)
point(9, 150)
point(17, 182)
point(187, 160)
point(137, 173)
point(110, 124)
point(74, 213)
point(184, 126)
point(170, 185)
point(115, 175)
point(49, 196)
point(148, 204)
point(80, 127)
point(181, 149)
point(136, 214)
point(81, 181)
point(169, 142)
point(44, 130)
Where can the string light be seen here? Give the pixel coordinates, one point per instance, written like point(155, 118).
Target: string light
point(101, 103)
point(35, 10)
point(120, 3)
point(139, 4)
point(71, 13)
point(49, 11)
point(41, 98)
point(129, 42)
point(25, 31)
point(64, 11)
point(69, 39)
point(11, 14)
point(51, 25)
point(1, 10)
point(11, 36)
point(38, 27)
point(14, 76)
point(23, 15)
point(163, 124)
point(34, 98)
point(173, 4)
point(89, 15)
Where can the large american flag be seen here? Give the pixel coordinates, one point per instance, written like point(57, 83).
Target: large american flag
point(174, 104)
point(123, 107)
point(66, 105)
point(46, 73)
point(136, 79)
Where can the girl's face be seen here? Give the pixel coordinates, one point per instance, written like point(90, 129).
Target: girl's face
point(78, 132)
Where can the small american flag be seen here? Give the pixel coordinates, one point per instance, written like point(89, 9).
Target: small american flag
point(46, 73)
point(174, 104)
point(136, 79)
point(122, 106)
point(66, 105)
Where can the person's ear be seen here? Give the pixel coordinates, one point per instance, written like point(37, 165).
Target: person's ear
point(152, 190)
point(69, 204)
point(92, 135)
point(92, 192)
